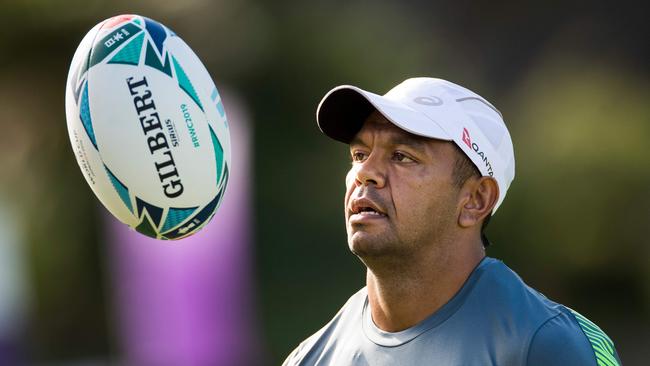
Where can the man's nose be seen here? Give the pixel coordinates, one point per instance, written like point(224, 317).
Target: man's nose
point(371, 171)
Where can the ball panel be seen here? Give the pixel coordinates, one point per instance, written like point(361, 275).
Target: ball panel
point(172, 132)
point(205, 90)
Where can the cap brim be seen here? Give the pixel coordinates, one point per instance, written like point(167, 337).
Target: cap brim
point(343, 110)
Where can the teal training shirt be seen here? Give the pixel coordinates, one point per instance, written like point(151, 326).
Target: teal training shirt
point(494, 319)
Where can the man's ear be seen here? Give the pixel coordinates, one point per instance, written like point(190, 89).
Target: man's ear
point(479, 196)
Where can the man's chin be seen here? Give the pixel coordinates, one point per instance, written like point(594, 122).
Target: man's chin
point(364, 244)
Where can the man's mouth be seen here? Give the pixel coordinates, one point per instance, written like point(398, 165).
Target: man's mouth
point(368, 211)
point(365, 209)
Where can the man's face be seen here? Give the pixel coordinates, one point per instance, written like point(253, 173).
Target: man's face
point(400, 196)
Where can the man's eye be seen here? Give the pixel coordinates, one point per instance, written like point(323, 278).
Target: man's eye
point(398, 156)
point(358, 156)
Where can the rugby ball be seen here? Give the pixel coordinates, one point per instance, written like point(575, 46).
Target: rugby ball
point(147, 127)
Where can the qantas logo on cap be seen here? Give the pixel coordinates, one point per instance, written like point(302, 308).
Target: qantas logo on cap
point(474, 146)
point(466, 139)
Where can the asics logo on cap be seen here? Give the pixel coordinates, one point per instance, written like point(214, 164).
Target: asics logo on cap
point(432, 101)
point(474, 146)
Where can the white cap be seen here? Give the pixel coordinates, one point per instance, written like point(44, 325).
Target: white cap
point(432, 108)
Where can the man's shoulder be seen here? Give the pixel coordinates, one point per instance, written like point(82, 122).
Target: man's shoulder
point(571, 339)
point(503, 290)
point(349, 314)
point(558, 334)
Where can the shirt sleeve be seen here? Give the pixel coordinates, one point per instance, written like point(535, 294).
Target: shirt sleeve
point(298, 355)
point(563, 341)
point(292, 358)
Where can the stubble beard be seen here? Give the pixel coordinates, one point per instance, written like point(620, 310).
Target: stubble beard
point(377, 244)
point(384, 249)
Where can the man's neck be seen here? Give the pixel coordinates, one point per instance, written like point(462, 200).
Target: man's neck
point(399, 299)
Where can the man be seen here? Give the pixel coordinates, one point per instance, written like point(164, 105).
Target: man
point(431, 162)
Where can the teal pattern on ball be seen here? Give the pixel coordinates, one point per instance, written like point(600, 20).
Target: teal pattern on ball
point(175, 216)
point(84, 114)
point(121, 189)
point(130, 53)
point(185, 83)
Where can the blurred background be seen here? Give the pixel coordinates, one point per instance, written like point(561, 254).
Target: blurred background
point(571, 80)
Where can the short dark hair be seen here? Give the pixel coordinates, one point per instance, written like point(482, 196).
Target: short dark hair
point(463, 170)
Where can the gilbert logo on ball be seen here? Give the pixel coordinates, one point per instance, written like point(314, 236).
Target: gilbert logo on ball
point(147, 127)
